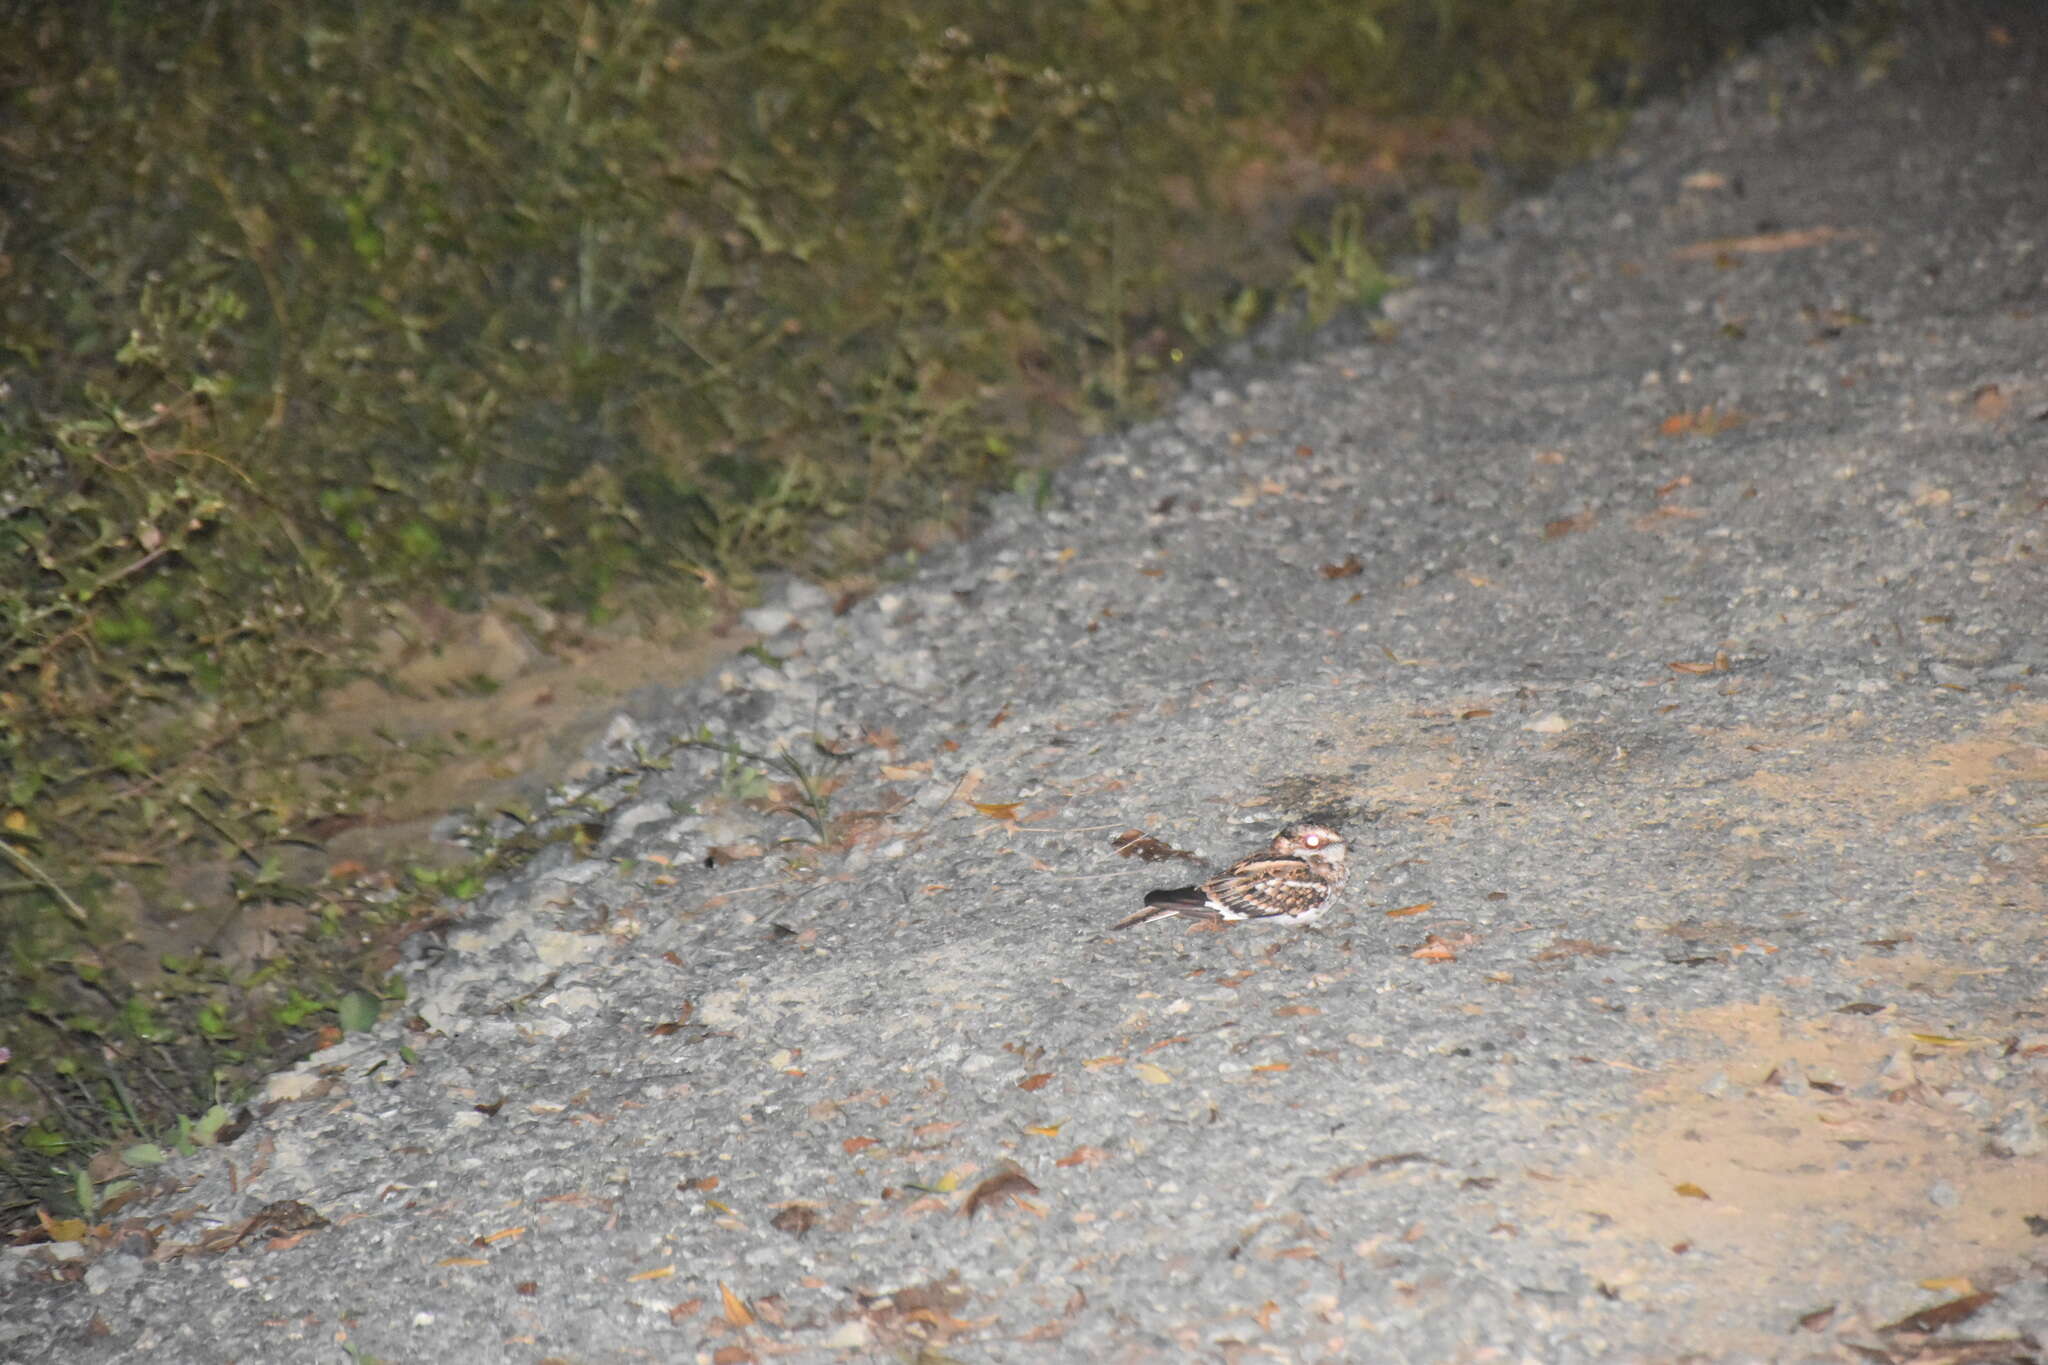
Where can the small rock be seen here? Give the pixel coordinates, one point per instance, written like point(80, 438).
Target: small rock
point(766, 621)
point(112, 1273)
point(1943, 1195)
point(2018, 1133)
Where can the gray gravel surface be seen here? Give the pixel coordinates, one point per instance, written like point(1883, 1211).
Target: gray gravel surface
point(1659, 608)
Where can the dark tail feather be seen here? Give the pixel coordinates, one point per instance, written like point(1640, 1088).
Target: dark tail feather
point(1164, 905)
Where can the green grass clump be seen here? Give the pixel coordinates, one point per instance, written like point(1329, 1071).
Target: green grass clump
point(306, 308)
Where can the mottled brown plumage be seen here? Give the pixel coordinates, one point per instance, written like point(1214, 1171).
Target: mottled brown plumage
point(1290, 883)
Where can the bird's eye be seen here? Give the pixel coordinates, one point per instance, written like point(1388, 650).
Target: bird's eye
point(1312, 840)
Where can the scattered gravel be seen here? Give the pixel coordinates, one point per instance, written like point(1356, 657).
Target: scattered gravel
point(1660, 612)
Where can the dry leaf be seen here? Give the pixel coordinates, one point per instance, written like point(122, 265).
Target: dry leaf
point(1415, 909)
point(1685, 1189)
point(501, 1235)
point(660, 1272)
point(853, 1146)
point(1274, 1066)
point(1667, 512)
point(795, 1219)
point(1083, 1156)
point(1762, 243)
point(1037, 1082)
point(736, 1311)
point(1565, 526)
point(1005, 1186)
point(461, 1262)
point(1151, 1075)
point(998, 810)
point(1350, 566)
point(1930, 1320)
point(1435, 949)
point(1563, 948)
point(1135, 843)
point(1043, 1129)
point(1950, 1284)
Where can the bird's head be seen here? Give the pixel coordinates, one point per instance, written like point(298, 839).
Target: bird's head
point(1317, 843)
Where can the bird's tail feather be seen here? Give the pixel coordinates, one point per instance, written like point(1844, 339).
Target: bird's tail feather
point(1163, 905)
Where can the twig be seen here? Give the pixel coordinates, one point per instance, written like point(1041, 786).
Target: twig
point(42, 878)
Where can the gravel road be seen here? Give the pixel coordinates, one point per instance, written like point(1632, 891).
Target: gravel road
point(1658, 606)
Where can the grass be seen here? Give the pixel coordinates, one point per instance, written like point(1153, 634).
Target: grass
point(311, 310)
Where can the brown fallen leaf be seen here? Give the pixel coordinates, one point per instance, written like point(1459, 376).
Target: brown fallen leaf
point(854, 1146)
point(1435, 949)
point(1135, 843)
point(1350, 566)
point(998, 810)
point(1563, 948)
point(1989, 403)
point(1083, 1155)
point(1650, 520)
point(1941, 1315)
point(795, 1219)
point(1762, 243)
point(1004, 1187)
point(1406, 910)
point(736, 1311)
point(1685, 1189)
point(1037, 1082)
point(1572, 525)
point(668, 1026)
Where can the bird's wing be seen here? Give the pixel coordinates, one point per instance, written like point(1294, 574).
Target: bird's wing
point(1260, 887)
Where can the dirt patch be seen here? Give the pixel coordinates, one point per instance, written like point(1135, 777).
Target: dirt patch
point(1813, 1152)
point(494, 703)
point(1828, 1151)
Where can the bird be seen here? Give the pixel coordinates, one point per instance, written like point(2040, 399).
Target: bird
point(1291, 882)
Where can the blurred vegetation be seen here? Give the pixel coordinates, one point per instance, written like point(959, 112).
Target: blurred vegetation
point(307, 308)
